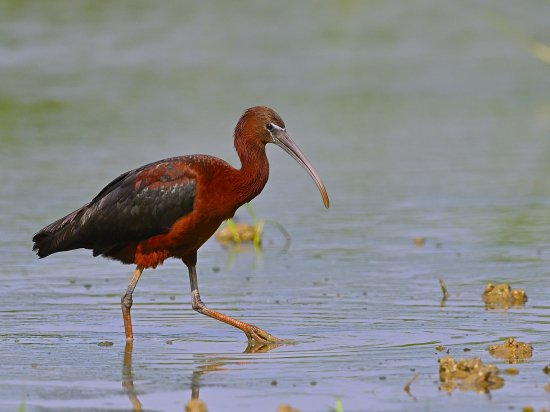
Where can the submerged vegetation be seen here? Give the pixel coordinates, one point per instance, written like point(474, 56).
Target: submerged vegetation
point(237, 233)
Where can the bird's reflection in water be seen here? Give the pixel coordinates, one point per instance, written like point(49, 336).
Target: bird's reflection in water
point(128, 378)
point(212, 365)
point(234, 250)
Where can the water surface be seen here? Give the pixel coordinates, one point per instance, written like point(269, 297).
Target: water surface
point(424, 118)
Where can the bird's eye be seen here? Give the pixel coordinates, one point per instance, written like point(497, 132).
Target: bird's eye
point(269, 126)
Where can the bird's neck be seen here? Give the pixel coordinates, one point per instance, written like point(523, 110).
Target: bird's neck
point(253, 174)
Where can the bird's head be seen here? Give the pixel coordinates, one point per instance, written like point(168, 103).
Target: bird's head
point(260, 125)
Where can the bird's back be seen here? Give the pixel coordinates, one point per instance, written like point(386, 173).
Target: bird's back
point(136, 205)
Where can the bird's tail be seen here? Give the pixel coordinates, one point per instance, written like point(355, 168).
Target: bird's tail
point(60, 235)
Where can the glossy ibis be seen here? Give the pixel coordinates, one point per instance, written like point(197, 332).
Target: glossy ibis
point(169, 208)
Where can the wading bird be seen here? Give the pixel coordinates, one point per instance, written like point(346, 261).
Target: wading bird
point(169, 208)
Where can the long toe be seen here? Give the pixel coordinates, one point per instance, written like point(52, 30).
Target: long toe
point(258, 336)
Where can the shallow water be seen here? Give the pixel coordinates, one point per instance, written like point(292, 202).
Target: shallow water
point(424, 118)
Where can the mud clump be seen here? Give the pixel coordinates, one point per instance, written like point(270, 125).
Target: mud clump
point(195, 405)
point(502, 296)
point(468, 375)
point(512, 351)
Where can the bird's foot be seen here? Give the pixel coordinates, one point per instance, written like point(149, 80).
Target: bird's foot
point(259, 337)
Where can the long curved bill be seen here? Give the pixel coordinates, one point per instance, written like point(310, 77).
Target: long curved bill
point(283, 140)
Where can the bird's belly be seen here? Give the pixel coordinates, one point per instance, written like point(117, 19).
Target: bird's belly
point(185, 237)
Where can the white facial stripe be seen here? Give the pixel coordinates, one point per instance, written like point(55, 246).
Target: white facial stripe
point(275, 130)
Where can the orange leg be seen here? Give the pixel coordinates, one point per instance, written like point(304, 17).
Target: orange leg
point(126, 303)
point(254, 334)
